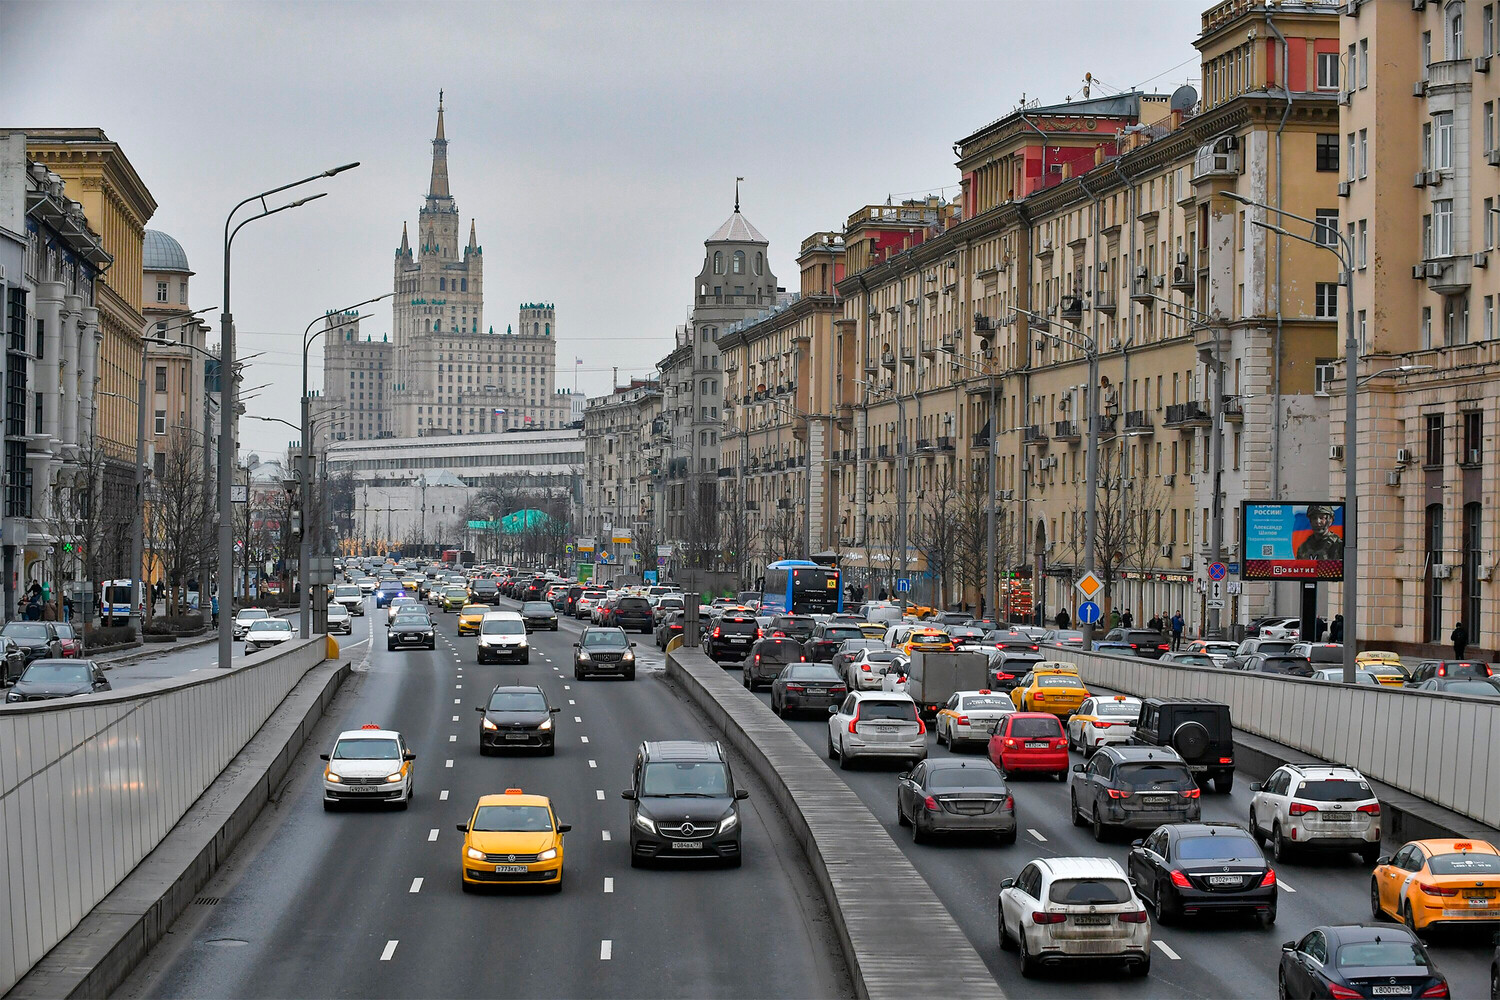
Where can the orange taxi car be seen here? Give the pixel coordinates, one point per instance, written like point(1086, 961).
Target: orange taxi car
point(512, 839)
point(927, 640)
point(1438, 882)
point(1385, 665)
point(1057, 692)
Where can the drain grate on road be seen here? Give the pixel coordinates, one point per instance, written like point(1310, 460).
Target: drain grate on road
point(207, 900)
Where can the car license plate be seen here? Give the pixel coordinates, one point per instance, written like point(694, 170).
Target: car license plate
point(739, 638)
point(687, 845)
point(364, 789)
point(1156, 800)
point(1337, 817)
point(1390, 991)
point(515, 736)
point(1091, 920)
point(1036, 744)
point(510, 869)
point(1224, 880)
point(1478, 893)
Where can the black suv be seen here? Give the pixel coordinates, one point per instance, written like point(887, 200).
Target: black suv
point(38, 640)
point(1132, 788)
point(1144, 641)
point(604, 651)
point(826, 640)
point(633, 613)
point(570, 600)
point(484, 591)
point(730, 637)
point(683, 803)
point(768, 657)
point(1198, 729)
point(799, 627)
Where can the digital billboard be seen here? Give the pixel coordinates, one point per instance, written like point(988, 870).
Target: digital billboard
point(1292, 541)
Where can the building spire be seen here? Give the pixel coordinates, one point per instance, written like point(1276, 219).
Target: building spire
point(438, 187)
point(737, 193)
point(405, 250)
point(473, 242)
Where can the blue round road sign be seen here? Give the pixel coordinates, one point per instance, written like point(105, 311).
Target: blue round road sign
point(1216, 571)
point(1088, 612)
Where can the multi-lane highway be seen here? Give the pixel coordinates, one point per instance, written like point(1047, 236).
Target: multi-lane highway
point(368, 903)
point(1210, 957)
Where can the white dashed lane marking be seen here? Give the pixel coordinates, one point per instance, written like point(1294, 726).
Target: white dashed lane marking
point(390, 949)
point(455, 718)
point(416, 885)
point(599, 794)
point(443, 795)
point(593, 763)
point(605, 833)
point(1283, 886)
point(572, 702)
point(1166, 950)
point(606, 948)
point(452, 739)
point(584, 738)
point(447, 763)
point(431, 836)
point(455, 701)
point(577, 718)
point(1037, 834)
point(609, 884)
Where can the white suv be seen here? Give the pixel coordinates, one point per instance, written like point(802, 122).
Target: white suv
point(1062, 909)
point(1322, 806)
point(876, 724)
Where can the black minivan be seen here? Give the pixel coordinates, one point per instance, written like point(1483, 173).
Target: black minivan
point(683, 804)
point(633, 613)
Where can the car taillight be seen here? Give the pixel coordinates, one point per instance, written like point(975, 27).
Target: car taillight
point(795, 687)
point(1300, 809)
point(1162, 646)
point(865, 667)
point(930, 802)
point(760, 633)
point(1338, 992)
point(1192, 793)
point(1133, 917)
point(1101, 725)
point(1442, 671)
point(962, 720)
point(1116, 793)
point(1373, 809)
point(1034, 648)
point(718, 632)
point(1038, 917)
point(1181, 881)
point(1039, 696)
point(838, 690)
point(757, 657)
point(1009, 803)
point(1270, 878)
point(1226, 760)
point(921, 726)
point(1436, 890)
point(1440, 990)
point(1009, 742)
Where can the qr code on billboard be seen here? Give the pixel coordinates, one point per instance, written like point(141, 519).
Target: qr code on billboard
point(1268, 551)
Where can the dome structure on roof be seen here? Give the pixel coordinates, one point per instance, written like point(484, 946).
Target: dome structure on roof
point(162, 253)
point(736, 229)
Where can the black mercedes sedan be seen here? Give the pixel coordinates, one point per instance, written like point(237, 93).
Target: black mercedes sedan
point(807, 687)
point(538, 615)
point(1358, 960)
point(59, 678)
point(955, 795)
point(411, 630)
point(517, 717)
point(38, 640)
point(1185, 869)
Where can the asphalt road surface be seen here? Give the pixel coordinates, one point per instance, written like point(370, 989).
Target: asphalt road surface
point(1212, 957)
point(366, 903)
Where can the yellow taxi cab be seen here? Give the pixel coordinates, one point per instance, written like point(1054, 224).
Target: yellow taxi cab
point(1385, 665)
point(409, 584)
point(454, 598)
point(927, 640)
point(469, 617)
point(513, 839)
point(1057, 692)
point(1430, 882)
point(872, 630)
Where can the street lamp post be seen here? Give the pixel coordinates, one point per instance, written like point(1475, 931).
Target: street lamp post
point(229, 404)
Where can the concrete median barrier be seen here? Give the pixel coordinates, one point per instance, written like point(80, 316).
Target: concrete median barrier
point(899, 941)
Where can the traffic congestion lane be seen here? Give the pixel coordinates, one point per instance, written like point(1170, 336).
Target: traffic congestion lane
point(368, 903)
point(1211, 957)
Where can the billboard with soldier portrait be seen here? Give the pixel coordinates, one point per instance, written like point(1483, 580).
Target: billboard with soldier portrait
point(1292, 541)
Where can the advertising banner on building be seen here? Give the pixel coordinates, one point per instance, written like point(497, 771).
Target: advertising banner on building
point(1292, 541)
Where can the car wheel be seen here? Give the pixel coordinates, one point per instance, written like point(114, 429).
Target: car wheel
point(735, 862)
point(918, 836)
point(1255, 830)
point(1224, 782)
point(577, 674)
point(1376, 911)
point(390, 646)
point(831, 754)
point(557, 887)
point(776, 708)
point(901, 819)
point(1267, 918)
point(1281, 848)
point(550, 750)
point(1409, 919)
point(1141, 969)
point(1029, 966)
point(630, 674)
point(463, 884)
point(843, 757)
point(1281, 993)
point(745, 679)
point(1007, 837)
point(1495, 982)
point(525, 657)
point(329, 805)
point(1006, 944)
point(1098, 827)
point(1370, 854)
point(1073, 810)
point(939, 737)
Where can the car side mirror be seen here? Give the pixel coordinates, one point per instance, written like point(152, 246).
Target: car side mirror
point(564, 827)
point(741, 793)
point(1288, 946)
point(1255, 786)
point(322, 756)
point(1137, 844)
point(479, 708)
point(575, 645)
point(628, 795)
point(903, 776)
point(1384, 859)
point(1078, 768)
point(554, 710)
point(1007, 883)
point(463, 828)
point(632, 645)
point(408, 756)
point(833, 710)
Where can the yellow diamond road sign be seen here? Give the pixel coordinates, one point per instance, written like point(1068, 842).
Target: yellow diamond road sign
point(1089, 585)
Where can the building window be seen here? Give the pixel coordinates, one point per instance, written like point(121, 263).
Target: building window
point(1432, 595)
point(1434, 456)
point(718, 262)
point(1427, 237)
point(738, 262)
point(1326, 227)
point(1455, 32)
point(161, 378)
point(1323, 373)
point(1442, 227)
point(1455, 320)
point(160, 423)
point(1363, 243)
point(182, 293)
point(1364, 63)
point(1442, 152)
point(1473, 437)
point(161, 291)
point(1364, 153)
point(1364, 340)
point(1427, 145)
point(1489, 125)
point(1426, 327)
point(1350, 156)
point(1326, 304)
point(760, 263)
point(1353, 64)
point(1426, 52)
point(1489, 317)
point(1473, 547)
point(1328, 152)
point(1487, 40)
point(1328, 71)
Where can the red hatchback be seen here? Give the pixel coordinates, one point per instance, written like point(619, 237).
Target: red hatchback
point(1030, 743)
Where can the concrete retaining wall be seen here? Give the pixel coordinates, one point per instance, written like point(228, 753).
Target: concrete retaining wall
point(899, 941)
point(1443, 748)
point(90, 785)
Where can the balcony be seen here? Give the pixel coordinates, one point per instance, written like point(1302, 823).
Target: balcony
point(864, 453)
point(1139, 422)
point(1234, 409)
point(1071, 307)
point(1104, 425)
point(1105, 300)
point(1219, 160)
point(883, 451)
point(1033, 434)
point(752, 505)
point(1142, 286)
point(1066, 430)
point(944, 443)
point(1448, 275)
point(1184, 415)
point(924, 444)
point(1185, 275)
point(981, 440)
point(1446, 78)
point(726, 473)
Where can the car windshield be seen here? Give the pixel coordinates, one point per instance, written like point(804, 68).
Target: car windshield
point(1271, 647)
point(1036, 728)
point(812, 672)
point(1388, 952)
point(902, 711)
point(367, 748)
point(56, 673)
point(411, 619)
point(1123, 708)
point(65, 631)
point(473, 609)
point(1090, 891)
point(964, 777)
point(536, 608)
point(692, 778)
point(974, 701)
point(271, 625)
point(1465, 864)
point(518, 701)
point(1059, 681)
point(1153, 774)
point(842, 632)
point(1193, 659)
point(337, 611)
point(1062, 635)
point(928, 639)
point(610, 639)
point(24, 630)
point(347, 590)
point(882, 656)
point(250, 614)
point(1334, 790)
point(1229, 847)
point(456, 592)
point(511, 819)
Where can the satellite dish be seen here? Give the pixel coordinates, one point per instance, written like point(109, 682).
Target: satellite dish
point(1184, 98)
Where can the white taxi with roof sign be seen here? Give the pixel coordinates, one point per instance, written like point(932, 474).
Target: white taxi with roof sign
point(1103, 719)
point(972, 717)
point(369, 764)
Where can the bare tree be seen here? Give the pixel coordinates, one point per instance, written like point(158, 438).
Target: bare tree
point(702, 541)
point(938, 529)
point(738, 536)
point(1125, 506)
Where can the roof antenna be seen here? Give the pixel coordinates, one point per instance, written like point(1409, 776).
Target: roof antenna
point(737, 193)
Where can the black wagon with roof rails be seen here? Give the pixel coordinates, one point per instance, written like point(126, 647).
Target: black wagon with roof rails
point(1199, 729)
point(684, 804)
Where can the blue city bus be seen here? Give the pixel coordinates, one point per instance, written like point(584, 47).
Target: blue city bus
point(801, 587)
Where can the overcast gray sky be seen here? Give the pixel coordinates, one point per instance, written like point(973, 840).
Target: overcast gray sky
point(595, 143)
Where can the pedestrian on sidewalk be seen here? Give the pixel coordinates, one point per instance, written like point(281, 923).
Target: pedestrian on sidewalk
point(1127, 620)
point(1460, 639)
point(1177, 627)
point(1336, 629)
point(1063, 620)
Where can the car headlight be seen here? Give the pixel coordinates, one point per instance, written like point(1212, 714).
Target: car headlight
point(629, 656)
point(645, 822)
point(584, 657)
point(729, 822)
point(547, 855)
point(476, 855)
point(13, 696)
point(488, 724)
point(427, 634)
point(522, 642)
point(546, 724)
point(392, 778)
point(330, 776)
